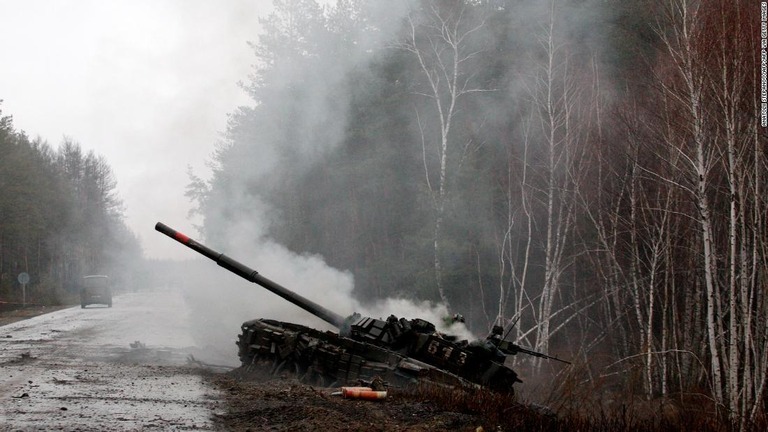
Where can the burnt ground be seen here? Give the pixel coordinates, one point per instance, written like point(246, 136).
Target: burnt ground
point(258, 402)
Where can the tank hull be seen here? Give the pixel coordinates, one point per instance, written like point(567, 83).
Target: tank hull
point(328, 359)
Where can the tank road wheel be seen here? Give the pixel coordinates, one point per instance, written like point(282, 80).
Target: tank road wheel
point(261, 364)
point(287, 365)
point(249, 363)
point(318, 379)
point(248, 356)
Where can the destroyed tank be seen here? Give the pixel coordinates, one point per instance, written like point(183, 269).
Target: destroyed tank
point(395, 350)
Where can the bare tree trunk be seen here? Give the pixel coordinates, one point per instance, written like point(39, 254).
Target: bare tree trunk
point(679, 45)
point(713, 57)
point(555, 100)
point(440, 44)
point(523, 296)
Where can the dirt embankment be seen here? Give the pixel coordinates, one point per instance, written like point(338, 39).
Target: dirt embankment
point(10, 313)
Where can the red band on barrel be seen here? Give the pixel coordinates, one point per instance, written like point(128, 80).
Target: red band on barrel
point(181, 237)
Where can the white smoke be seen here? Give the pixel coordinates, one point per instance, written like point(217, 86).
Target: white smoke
point(226, 301)
point(222, 301)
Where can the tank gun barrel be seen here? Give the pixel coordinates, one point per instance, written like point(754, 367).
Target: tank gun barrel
point(252, 275)
point(510, 349)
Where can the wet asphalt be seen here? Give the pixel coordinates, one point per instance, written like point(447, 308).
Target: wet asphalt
point(105, 369)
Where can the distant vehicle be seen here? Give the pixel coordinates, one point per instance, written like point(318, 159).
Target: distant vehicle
point(95, 290)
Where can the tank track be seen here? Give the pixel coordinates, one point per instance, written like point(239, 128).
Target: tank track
point(329, 360)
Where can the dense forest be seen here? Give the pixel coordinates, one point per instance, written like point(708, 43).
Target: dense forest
point(60, 219)
point(589, 174)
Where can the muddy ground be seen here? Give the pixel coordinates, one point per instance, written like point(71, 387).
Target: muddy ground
point(257, 402)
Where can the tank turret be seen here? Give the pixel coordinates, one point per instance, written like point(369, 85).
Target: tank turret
point(398, 350)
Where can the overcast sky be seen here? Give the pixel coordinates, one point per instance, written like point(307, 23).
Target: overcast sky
point(145, 83)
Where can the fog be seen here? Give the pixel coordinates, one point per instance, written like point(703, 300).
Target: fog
point(146, 83)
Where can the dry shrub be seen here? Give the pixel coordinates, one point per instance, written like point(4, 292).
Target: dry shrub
point(576, 403)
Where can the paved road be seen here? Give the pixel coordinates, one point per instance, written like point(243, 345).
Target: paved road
point(106, 369)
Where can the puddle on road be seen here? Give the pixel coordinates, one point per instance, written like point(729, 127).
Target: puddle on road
point(146, 356)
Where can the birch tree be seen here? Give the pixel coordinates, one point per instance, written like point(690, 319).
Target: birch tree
point(554, 102)
point(707, 81)
point(441, 40)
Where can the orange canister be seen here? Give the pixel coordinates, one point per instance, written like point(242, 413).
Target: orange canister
point(365, 393)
